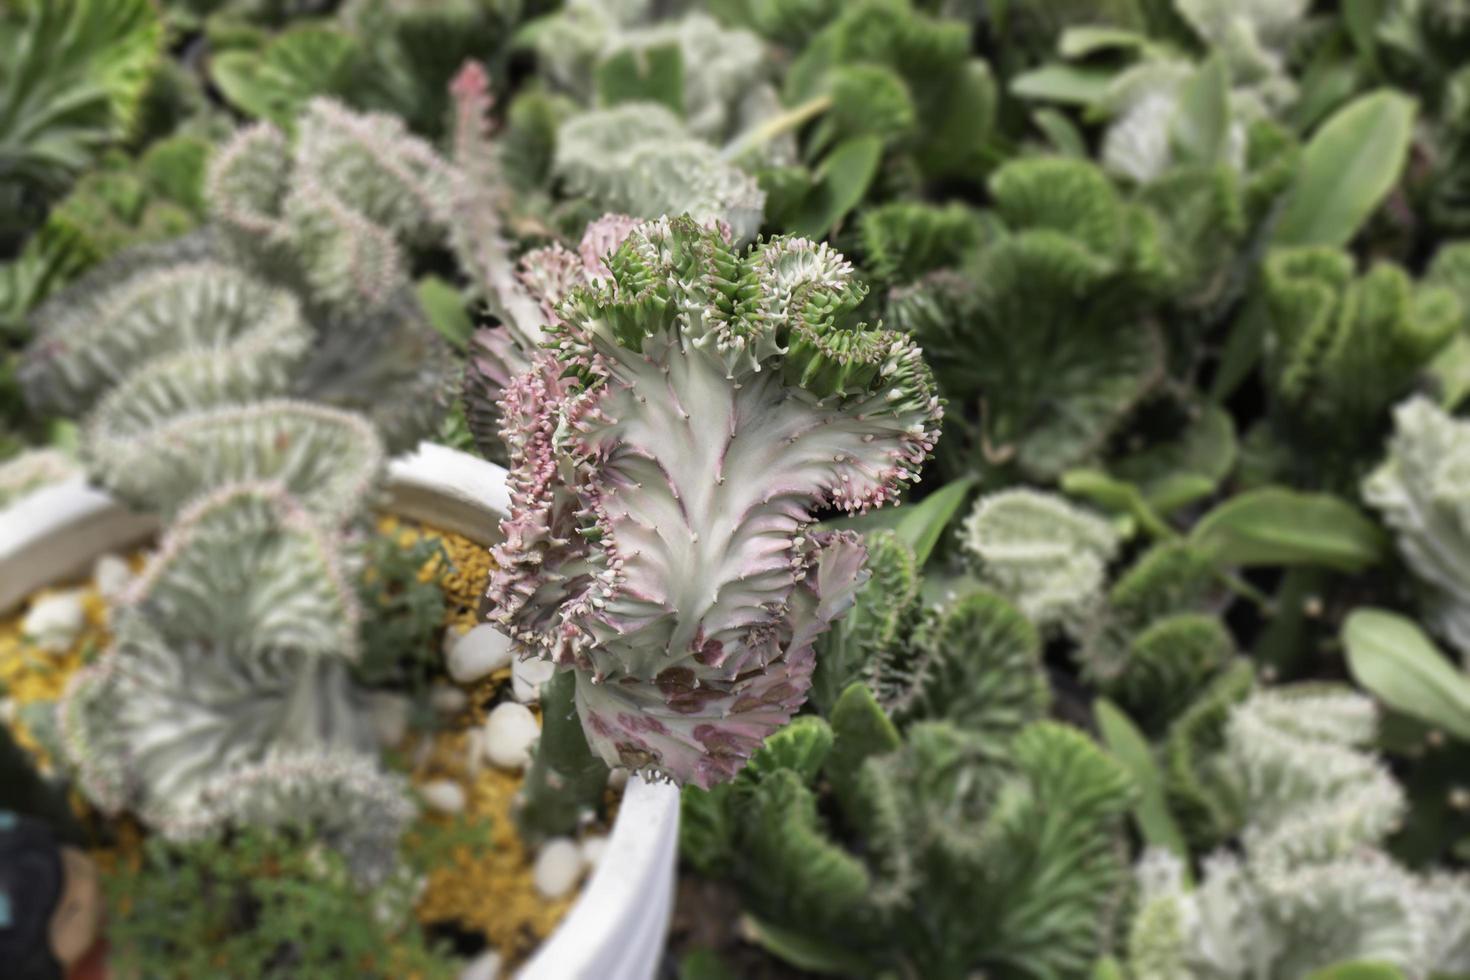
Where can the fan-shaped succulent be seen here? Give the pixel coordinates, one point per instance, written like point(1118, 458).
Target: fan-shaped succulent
point(233, 644)
point(1060, 304)
point(1311, 889)
point(960, 851)
point(1045, 554)
point(1343, 348)
point(637, 158)
point(669, 450)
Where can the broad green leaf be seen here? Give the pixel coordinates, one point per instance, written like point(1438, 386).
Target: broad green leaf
point(1063, 134)
point(920, 525)
point(1083, 42)
point(444, 306)
point(295, 67)
point(842, 181)
point(1358, 971)
point(1347, 169)
point(806, 952)
point(643, 75)
point(1151, 811)
point(1362, 18)
point(1277, 526)
point(1063, 83)
point(1451, 372)
point(1390, 656)
point(1115, 495)
point(705, 964)
point(1200, 129)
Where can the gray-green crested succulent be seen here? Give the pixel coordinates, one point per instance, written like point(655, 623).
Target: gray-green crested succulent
point(226, 697)
point(1045, 554)
point(1420, 491)
point(1311, 886)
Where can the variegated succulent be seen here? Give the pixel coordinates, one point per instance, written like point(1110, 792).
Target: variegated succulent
point(670, 447)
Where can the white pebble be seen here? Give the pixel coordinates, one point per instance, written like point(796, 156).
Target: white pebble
point(388, 713)
point(527, 676)
point(448, 699)
point(112, 576)
point(479, 653)
point(557, 868)
point(593, 848)
point(617, 779)
point(510, 731)
point(54, 622)
point(486, 966)
point(444, 795)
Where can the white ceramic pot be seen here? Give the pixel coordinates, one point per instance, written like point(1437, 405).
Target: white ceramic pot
point(616, 929)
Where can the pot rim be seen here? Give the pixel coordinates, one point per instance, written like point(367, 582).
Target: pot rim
point(616, 926)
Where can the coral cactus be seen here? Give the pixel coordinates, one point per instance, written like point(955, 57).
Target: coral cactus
point(669, 449)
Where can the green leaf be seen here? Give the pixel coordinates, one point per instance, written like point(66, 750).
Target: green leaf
point(842, 181)
point(1063, 134)
point(1063, 83)
point(1347, 169)
point(1083, 42)
point(1201, 126)
point(1128, 746)
point(705, 964)
point(1358, 971)
point(1115, 495)
point(277, 82)
point(654, 74)
point(444, 306)
point(919, 525)
point(1390, 656)
point(806, 952)
point(1277, 526)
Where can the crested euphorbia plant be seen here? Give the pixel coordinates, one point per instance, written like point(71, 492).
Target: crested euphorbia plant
point(670, 446)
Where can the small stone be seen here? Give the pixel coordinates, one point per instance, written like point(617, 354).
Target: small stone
point(444, 795)
point(527, 676)
point(55, 622)
point(510, 731)
point(388, 713)
point(112, 576)
point(448, 699)
point(593, 848)
point(479, 653)
point(557, 868)
point(486, 966)
point(617, 779)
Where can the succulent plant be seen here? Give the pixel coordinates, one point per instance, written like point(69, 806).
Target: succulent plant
point(227, 697)
point(1062, 294)
point(1342, 348)
point(1418, 489)
point(941, 852)
point(299, 286)
point(1311, 888)
point(669, 450)
point(1045, 554)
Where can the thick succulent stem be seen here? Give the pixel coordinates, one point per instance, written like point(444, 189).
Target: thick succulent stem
point(566, 779)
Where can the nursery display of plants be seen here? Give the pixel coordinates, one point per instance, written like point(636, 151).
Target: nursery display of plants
point(630, 489)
